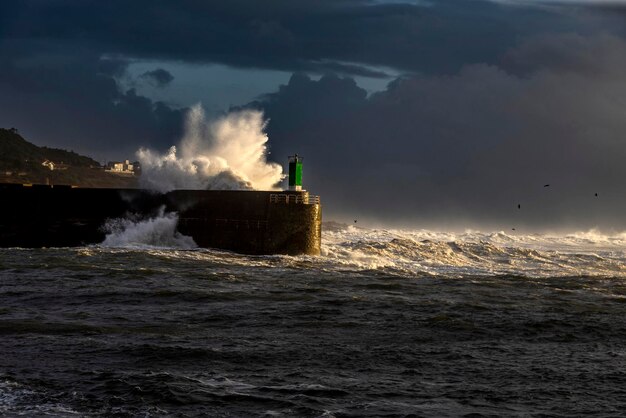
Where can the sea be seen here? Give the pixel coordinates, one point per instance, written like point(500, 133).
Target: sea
point(385, 323)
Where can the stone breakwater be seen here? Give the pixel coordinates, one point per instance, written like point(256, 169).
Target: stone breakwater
point(249, 222)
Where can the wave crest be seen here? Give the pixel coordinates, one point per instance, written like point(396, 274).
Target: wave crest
point(476, 253)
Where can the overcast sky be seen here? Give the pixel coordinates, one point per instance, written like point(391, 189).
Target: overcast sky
point(438, 113)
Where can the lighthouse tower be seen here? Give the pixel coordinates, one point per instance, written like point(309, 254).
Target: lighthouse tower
point(295, 173)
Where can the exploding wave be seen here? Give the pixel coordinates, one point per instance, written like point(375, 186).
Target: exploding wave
point(226, 154)
point(158, 231)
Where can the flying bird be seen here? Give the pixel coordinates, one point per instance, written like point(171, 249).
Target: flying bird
point(546, 185)
point(596, 194)
point(519, 206)
point(355, 221)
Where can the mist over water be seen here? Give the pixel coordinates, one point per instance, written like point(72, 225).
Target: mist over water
point(229, 153)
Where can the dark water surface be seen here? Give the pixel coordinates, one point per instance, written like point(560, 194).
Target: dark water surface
point(165, 332)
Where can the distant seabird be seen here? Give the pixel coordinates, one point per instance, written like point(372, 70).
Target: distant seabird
point(355, 221)
point(596, 194)
point(519, 206)
point(546, 185)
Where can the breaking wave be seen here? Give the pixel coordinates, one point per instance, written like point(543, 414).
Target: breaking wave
point(408, 253)
point(226, 154)
point(156, 232)
point(474, 253)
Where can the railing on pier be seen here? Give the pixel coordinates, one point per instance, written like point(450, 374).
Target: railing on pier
point(300, 199)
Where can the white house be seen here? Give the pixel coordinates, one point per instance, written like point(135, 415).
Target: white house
point(125, 167)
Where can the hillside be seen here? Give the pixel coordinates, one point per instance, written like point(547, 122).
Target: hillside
point(16, 152)
point(21, 162)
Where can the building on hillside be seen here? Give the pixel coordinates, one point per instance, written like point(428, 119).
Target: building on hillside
point(125, 167)
point(48, 164)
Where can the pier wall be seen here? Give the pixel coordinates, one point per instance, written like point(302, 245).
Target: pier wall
point(249, 222)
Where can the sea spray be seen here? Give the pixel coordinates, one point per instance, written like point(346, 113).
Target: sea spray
point(158, 231)
point(226, 154)
point(474, 253)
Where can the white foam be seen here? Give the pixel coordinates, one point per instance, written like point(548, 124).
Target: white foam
point(229, 153)
point(18, 400)
point(159, 231)
point(475, 253)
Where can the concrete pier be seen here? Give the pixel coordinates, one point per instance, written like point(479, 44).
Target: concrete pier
point(248, 222)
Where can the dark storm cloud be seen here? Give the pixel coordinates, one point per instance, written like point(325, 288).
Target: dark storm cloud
point(498, 100)
point(322, 35)
point(71, 99)
point(56, 84)
point(159, 77)
point(601, 55)
point(52, 53)
point(472, 145)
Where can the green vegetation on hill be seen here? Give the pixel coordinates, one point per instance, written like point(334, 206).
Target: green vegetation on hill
point(21, 162)
point(18, 154)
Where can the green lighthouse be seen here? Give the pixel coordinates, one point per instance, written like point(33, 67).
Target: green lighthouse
point(295, 173)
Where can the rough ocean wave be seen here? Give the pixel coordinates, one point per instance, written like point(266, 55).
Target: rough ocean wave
point(420, 252)
point(474, 253)
point(383, 323)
